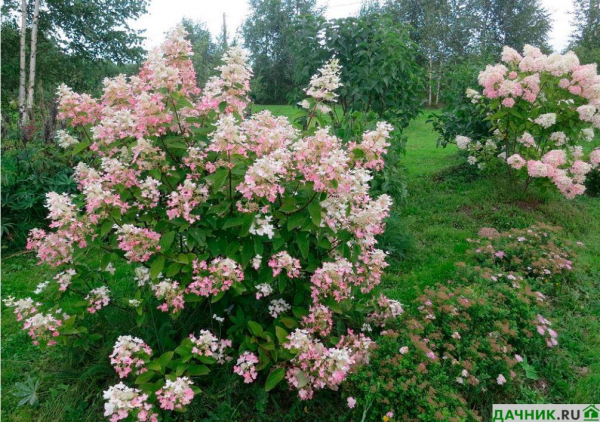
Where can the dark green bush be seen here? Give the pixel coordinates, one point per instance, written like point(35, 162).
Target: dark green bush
point(29, 171)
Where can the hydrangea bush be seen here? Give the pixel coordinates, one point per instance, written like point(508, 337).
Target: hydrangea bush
point(543, 110)
point(254, 238)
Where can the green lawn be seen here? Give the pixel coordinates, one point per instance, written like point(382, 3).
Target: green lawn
point(426, 236)
point(280, 110)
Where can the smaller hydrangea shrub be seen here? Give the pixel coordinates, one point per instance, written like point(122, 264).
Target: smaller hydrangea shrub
point(537, 254)
point(542, 110)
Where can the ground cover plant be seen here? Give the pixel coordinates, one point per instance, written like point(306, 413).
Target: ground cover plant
point(542, 110)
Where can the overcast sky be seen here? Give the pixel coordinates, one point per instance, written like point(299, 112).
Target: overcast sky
point(164, 14)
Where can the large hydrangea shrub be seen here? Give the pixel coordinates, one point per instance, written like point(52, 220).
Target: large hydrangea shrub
point(256, 238)
point(543, 111)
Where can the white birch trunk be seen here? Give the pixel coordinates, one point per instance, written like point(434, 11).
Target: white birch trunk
point(430, 77)
point(32, 58)
point(22, 71)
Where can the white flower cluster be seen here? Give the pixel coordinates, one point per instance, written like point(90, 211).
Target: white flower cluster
point(324, 83)
point(65, 140)
point(278, 307)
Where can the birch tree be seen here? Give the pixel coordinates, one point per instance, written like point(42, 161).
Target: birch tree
point(32, 59)
point(22, 63)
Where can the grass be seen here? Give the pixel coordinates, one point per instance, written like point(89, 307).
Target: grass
point(426, 236)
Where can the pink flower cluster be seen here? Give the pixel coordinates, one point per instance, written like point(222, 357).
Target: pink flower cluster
point(374, 146)
point(139, 244)
point(569, 181)
point(42, 327)
point(522, 78)
point(246, 367)
point(283, 261)
point(175, 394)
point(333, 279)
point(39, 326)
point(206, 344)
point(267, 133)
point(130, 354)
point(23, 307)
point(98, 298)
point(172, 295)
point(141, 184)
point(318, 321)
point(316, 367)
point(80, 109)
point(554, 153)
point(385, 311)
point(53, 248)
point(123, 401)
point(188, 197)
point(217, 277)
point(544, 330)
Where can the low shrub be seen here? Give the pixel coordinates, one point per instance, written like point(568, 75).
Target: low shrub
point(29, 171)
point(467, 343)
point(537, 254)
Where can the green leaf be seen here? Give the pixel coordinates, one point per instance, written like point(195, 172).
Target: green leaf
point(274, 378)
point(233, 222)
point(218, 178)
point(358, 153)
point(255, 328)
point(232, 248)
point(106, 228)
point(166, 241)
point(157, 266)
point(268, 345)
point(315, 212)
point(198, 370)
point(144, 378)
point(302, 241)
point(296, 220)
point(153, 366)
point(80, 147)
point(165, 359)
point(281, 334)
point(218, 297)
point(173, 269)
point(183, 350)
point(289, 322)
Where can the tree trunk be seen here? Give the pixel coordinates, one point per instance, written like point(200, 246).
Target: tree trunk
point(437, 91)
point(430, 77)
point(22, 62)
point(30, 90)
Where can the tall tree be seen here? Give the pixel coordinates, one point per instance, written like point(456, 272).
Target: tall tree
point(268, 34)
point(442, 30)
point(23, 62)
point(206, 51)
point(511, 22)
point(84, 31)
point(585, 39)
point(32, 61)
